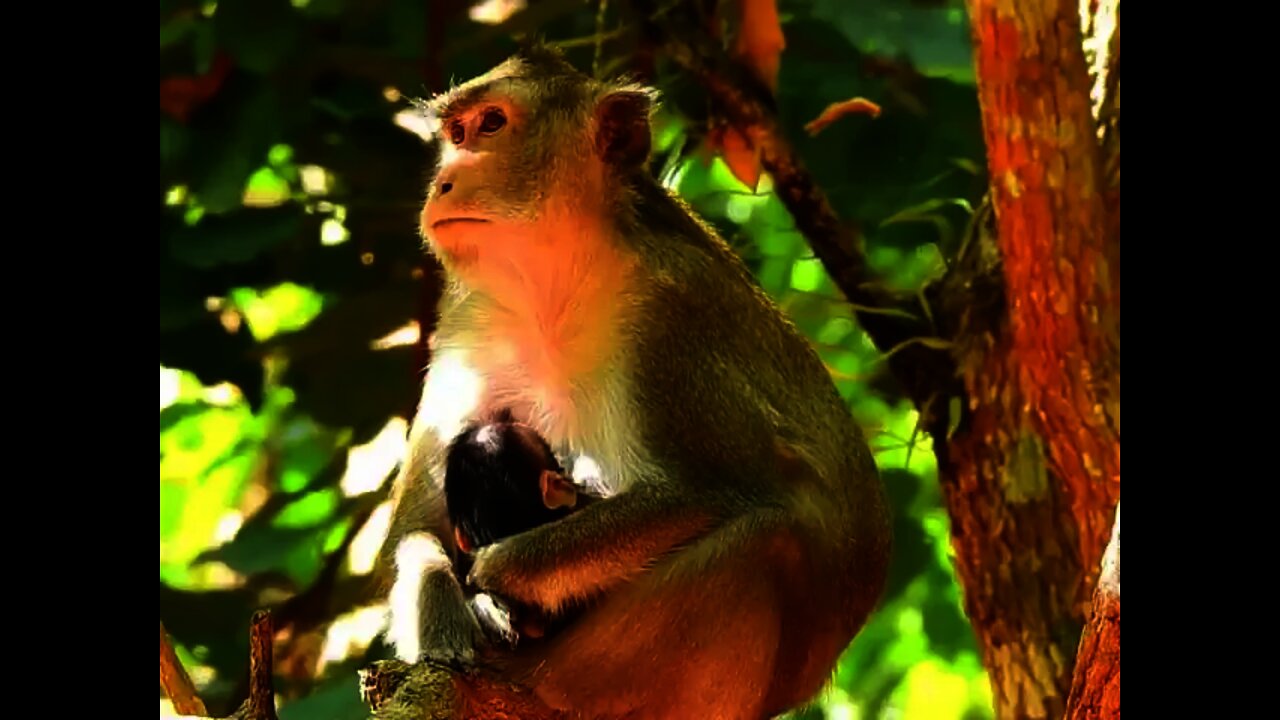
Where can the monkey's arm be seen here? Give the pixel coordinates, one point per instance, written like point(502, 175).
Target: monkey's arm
point(429, 614)
point(417, 498)
point(590, 551)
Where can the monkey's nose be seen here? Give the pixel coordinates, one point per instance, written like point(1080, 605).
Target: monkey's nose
point(445, 187)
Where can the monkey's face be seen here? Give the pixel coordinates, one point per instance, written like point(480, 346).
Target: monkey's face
point(468, 196)
point(506, 163)
point(527, 154)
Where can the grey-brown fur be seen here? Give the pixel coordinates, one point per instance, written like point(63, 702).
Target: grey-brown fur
point(749, 537)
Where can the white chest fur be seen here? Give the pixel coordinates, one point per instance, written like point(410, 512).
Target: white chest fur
point(579, 407)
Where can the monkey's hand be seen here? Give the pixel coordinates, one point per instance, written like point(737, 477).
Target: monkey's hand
point(495, 618)
point(430, 617)
point(589, 551)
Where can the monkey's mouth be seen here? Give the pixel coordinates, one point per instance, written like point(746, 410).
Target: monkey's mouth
point(443, 222)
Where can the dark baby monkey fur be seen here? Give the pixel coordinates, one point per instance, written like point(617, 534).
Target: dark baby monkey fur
point(747, 535)
point(501, 478)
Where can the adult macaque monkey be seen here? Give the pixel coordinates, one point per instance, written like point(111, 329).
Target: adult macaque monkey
point(749, 536)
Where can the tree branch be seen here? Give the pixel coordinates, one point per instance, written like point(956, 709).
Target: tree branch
point(395, 690)
point(891, 320)
point(1095, 691)
point(174, 680)
point(261, 703)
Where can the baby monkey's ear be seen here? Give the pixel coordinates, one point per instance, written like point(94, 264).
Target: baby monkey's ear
point(622, 126)
point(557, 490)
point(461, 540)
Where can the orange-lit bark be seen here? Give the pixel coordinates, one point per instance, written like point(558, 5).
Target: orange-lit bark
point(175, 681)
point(1095, 692)
point(1032, 479)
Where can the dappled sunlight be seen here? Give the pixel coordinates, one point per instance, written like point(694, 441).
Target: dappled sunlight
point(333, 232)
point(407, 334)
point(228, 526)
point(493, 12)
point(315, 179)
point(363, 554)
point(218, 576)
point(369, 465)
point(351, 634)
point(416, 123)
point(837, 705)
point(168, 713)
point(223, 394)
point(181, 386)
point(170, 386)
point(935, 691)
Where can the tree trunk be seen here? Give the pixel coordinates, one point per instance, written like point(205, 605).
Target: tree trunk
point(1032, 477)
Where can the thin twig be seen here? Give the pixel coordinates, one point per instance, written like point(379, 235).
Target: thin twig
point(600, 36)
point(262, 701)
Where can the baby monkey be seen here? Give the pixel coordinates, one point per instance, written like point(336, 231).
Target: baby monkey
point(502, 478)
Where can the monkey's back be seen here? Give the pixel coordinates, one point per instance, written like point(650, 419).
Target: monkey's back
point(719, 350)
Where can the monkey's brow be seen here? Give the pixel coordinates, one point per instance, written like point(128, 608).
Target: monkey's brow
point(450, 104)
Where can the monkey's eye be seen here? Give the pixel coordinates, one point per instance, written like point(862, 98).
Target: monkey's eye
point(493, 121)
point(457, 133)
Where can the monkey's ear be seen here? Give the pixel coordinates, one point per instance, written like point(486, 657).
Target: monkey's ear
point(461, 540)
point(557, 490)
point(622, 127)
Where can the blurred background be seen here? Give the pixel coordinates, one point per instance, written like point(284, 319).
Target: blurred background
point(295, 296)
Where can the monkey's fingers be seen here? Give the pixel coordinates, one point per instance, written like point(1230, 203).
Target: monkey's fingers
point(495, 618)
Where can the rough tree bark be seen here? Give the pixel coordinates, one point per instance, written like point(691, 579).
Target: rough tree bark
point(1033, 477)
point(1095, 691)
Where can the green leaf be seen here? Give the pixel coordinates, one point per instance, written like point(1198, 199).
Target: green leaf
point(807, 275)
point(308, 511)
point(259, 34)
point(284, 308)
point(205, 459)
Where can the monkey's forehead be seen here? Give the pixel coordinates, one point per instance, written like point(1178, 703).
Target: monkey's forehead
point(533, 67)
point(454, 102)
